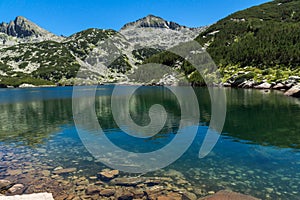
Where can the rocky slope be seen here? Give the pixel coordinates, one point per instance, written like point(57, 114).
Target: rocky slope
point(32, 55)
point(155, 32)
point(21, 30)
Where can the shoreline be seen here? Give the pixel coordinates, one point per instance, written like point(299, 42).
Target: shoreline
point(289, 89)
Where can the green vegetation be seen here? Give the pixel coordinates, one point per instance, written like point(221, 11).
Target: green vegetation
point(54, 59)
point(121, 64)
point(150, 73)
point(263, 38)
point(4, 67)
point(20, 78)
point(145, 53)
point(82, 43)
point(180, 64)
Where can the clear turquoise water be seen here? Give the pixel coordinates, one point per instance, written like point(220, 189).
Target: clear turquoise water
point(257, 154)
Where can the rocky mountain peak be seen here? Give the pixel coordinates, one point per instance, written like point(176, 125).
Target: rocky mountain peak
point(152, 21)
point(22, 28)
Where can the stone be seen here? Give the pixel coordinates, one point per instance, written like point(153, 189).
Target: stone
point(26, 85)
point(108, 175)
point(189, 196)
point(125, 196)
point(46, 172)
point(58, 168)
point(92, 189)
point(226, 84)
point(248, 84)
point(263, 86)
point(64, 171)
point(152, 182)
point(16, 188)
point(93, 177)
point(39, 196)
point(133, 181)
point(107, 192)
point(237, 81)
point(170, 196)
point(296, 78)
point(279, 86)
point(138, 193)
point(4, 184)
point(14, 172)
point(228, 195)
point(293, 92)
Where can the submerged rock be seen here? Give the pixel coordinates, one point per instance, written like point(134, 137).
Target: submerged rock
point(18, 188)
point(107, 192)
point(128, 181)
point(92, 189)
point(108, 175)
point(64, 171)
point(170, 196)
point(4, 184)
point(123, 195)
point(228, 195)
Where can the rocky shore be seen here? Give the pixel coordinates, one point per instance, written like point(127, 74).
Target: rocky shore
point(22, 173)
point(290, 87)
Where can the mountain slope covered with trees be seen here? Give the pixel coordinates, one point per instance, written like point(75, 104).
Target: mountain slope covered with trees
point(264, 39)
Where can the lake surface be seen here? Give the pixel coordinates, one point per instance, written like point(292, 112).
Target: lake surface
point(258, 152)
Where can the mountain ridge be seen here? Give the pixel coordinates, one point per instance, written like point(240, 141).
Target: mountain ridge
point(152, 21)
point(30, 54)
point(253, 47)
point(24, 30)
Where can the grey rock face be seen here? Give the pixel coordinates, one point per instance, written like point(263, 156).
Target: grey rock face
point(21, 28)
point(155, 32)
point(152, 21)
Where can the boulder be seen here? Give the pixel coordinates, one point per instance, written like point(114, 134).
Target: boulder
point(108, 175)
point(4, 184)
point(226, 84)
point(26, 85)
point(296, 78)
point(18, 188)
point(247, 84)
point(236, 82)
point(279, 86)
point(293, 92)
point(263, 86)
point(228, 195)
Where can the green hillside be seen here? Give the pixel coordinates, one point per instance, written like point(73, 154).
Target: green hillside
point(264, 39)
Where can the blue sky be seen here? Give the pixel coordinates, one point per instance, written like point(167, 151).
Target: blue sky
point(69, 16)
